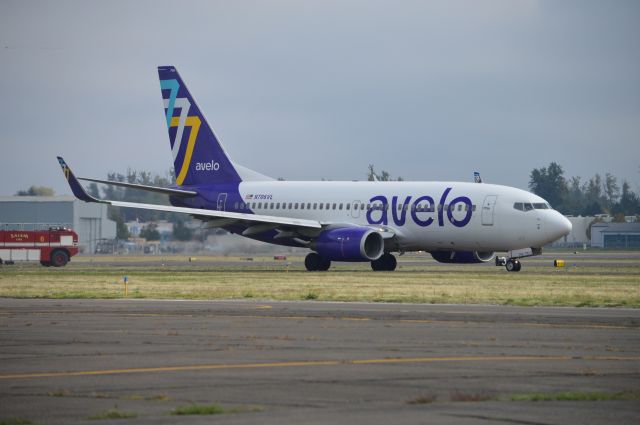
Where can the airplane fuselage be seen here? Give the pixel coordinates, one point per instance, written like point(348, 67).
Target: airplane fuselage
point(423, 215)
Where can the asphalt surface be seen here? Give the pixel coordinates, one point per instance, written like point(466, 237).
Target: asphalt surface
point(63, 361)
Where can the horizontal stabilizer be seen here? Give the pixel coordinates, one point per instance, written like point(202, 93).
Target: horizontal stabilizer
point(165, 190)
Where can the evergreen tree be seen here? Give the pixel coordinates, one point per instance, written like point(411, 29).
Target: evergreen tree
point(150, 232)
point(550, 184)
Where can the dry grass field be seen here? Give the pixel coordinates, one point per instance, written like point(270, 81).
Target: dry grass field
point(584, 282)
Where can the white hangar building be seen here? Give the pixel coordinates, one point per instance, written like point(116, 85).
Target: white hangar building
point(36, 212)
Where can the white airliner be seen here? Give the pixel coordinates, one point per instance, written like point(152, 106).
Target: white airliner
point(340, 221)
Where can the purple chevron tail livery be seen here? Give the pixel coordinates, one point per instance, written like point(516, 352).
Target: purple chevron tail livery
point(198, 157)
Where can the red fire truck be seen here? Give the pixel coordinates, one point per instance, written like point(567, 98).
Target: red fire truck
point(52, 247)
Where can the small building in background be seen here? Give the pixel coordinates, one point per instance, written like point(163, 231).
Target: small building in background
point(578, 237)
point(89, 220)
point(615, 235)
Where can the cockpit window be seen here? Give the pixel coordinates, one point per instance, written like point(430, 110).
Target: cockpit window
point(541, 206)
point(526, 206)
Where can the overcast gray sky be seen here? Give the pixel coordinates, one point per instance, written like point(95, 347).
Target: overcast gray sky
point(311, 89)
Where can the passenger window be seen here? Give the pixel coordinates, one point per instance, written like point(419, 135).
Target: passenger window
point(278, 206)
point(333, 207)
point(459, 207)
point(321, 204)
point(368, 207)
point(347, 206)
point(474, 208)
point(340, 206)
point(295, 206)
point(327, 206)
point(271, 207)
point(362, 207)
point(302, 205)
point(406, 207)
point(290, 205)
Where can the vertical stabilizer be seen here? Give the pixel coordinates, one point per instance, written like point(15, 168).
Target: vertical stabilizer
point(198, 157)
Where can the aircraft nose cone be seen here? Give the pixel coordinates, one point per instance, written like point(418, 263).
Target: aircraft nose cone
point(561, 225)
point(567, 226)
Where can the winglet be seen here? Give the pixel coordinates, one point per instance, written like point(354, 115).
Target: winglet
point(76, 187)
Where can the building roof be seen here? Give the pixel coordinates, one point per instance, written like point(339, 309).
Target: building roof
point(61, 198)
point(618, 227)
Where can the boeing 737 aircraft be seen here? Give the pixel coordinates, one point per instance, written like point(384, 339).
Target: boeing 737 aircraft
point(340, 221)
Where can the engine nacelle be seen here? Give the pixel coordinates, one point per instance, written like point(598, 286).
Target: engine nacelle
point(462, 257)
point(350, 244)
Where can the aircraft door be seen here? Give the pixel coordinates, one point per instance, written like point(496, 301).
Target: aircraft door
point(222, 200)
point(488, 208)
point(355, 209)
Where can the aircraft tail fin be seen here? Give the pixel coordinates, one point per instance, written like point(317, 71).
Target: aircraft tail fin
point(198, 156)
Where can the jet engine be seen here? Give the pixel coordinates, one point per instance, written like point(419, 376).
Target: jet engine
point(349, 244)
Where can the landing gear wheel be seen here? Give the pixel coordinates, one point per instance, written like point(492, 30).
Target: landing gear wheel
point(59, 258)
point(386, 262)
point(314, 262)
point(513, 265)
point(324, 264)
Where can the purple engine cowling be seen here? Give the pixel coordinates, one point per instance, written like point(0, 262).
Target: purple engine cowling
point(350, 244)
point(462, 257)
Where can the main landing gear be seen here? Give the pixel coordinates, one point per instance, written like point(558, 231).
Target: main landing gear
point(386, 262)
point(315, 263)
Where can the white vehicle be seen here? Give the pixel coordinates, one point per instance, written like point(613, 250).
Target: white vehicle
point(341, 221)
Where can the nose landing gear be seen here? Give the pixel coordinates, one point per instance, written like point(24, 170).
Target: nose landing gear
point(511, 262)
point(513, 265)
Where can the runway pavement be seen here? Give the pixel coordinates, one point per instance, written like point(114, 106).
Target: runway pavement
point(63, 361)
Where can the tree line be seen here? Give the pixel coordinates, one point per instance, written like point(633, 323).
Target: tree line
point(573, 196)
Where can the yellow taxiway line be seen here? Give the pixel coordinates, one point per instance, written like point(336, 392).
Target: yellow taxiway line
point(310, 363)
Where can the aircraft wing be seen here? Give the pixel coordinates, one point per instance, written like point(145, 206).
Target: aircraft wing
point(165, 190)
point(257, 222)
